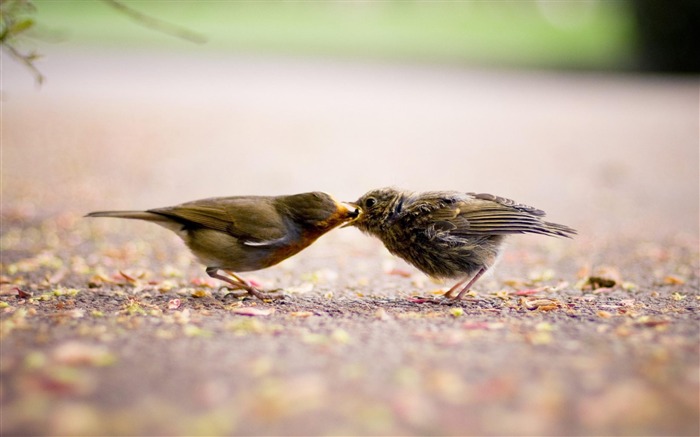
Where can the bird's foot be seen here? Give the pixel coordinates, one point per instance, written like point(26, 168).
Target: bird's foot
point(238, 283)
point(449, 295)
point(251, 291)
point(447, 300)
point(230, 292)
point(266, 295)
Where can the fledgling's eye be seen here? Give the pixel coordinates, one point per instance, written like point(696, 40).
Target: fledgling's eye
point(370, 202)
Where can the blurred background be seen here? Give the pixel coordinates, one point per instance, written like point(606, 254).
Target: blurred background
point(149, 103)
point(586, 109)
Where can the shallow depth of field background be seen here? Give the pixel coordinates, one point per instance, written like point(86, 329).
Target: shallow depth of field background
point(540, 101)
point(585, 109)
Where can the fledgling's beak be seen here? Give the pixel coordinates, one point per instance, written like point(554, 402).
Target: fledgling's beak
point(354, 212)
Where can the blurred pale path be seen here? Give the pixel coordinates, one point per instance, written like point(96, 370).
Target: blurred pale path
point(603, 153)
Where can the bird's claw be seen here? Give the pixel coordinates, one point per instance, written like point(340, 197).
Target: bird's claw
point(266, 295)
point(252, 292)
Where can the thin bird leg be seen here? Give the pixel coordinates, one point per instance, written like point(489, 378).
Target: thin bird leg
point(448, 294)
point(212, 272)
point(242, 283)
point(469, 285)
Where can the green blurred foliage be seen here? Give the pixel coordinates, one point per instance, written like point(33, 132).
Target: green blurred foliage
point(587, 34)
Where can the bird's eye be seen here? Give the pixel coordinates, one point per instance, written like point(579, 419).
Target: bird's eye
point(370, 202)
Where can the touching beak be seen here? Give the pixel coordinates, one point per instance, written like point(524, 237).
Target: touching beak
point(354, 212)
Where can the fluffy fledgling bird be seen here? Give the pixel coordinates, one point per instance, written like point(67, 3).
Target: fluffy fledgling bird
point(449, 234)
point(245, 233)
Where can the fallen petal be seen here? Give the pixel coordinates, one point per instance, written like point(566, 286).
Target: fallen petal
point(250, 311)
point(174, 304)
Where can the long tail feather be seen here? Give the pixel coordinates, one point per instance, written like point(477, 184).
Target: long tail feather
point(139, 215)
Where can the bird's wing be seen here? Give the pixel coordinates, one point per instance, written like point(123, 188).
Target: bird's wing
point(254, 221)
point(485, 214)
point(508, 203)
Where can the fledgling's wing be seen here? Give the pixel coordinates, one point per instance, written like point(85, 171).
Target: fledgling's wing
point(457, 214)
point(487, 214)
point(508, 202)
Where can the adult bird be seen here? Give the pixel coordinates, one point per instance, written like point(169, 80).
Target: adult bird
point(245, 233)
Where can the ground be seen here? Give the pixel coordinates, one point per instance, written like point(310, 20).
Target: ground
point(110, 326)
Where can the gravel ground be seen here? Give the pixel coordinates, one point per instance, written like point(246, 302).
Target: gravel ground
point(109, 327)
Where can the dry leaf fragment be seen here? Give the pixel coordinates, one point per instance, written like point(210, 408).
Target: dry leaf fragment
point(652, 323)
point(199, 293)
point(165, 286)
point(129, 279)
point(503, 294)
point(203, 282)
point(471, 293)
point(301, 314)
point(416, 299)
point(540, 304)
point(174, 304)
point(98, 280)
point(251, 311)
point(22, 294)
point(596, 282)
point(608, 272)
point(604, 314)
point(678, 296)
point(673, 280)
point(133, 307)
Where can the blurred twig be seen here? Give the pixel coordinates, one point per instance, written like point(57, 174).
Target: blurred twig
point(156, 24)
point(14, 22)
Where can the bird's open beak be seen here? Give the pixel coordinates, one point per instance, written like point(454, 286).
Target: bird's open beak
point(354, 212)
